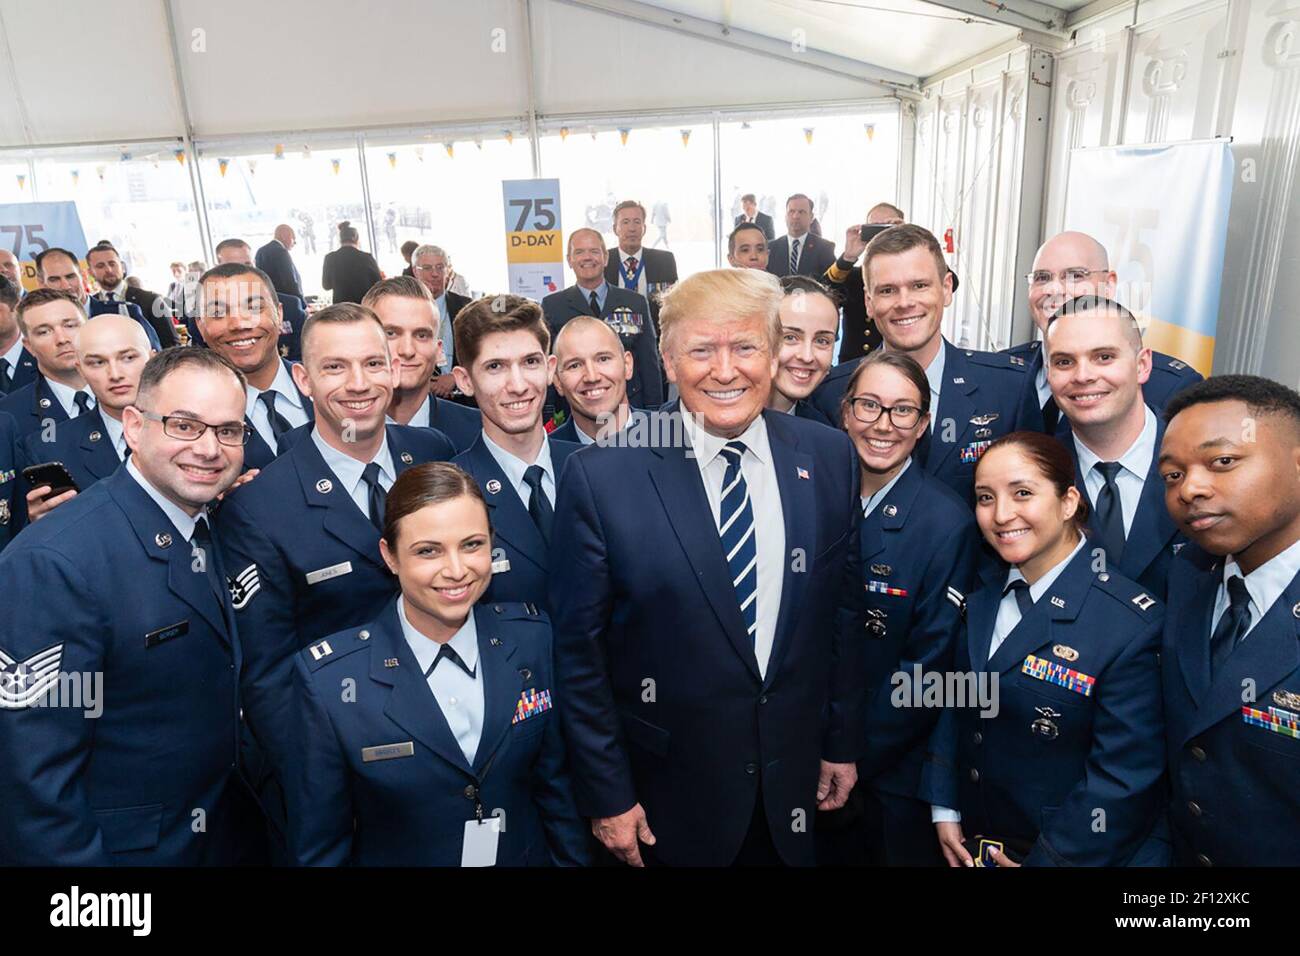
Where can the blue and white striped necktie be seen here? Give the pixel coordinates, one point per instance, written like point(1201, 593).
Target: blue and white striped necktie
point(794, 257)
point(736, 528)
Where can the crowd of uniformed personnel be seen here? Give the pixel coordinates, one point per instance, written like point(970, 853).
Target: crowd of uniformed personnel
point(424, 580)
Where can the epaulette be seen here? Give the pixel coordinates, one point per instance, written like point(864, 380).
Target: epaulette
point(520, 611)
point(1131, 595)
point(335, 647)
point(1001, 360)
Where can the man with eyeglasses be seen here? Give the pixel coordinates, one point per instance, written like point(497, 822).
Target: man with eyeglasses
point(1066, 266)
point(123, 588)
point(432, 266)
point(301, 540)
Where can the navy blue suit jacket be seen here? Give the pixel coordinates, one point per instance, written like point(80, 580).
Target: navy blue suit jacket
point(1235, 770)
point(274, 259)
point(918, 628)
point(1040, 768)
point(24, 374)
point(81, 444)
point(13, 500)
point(304, 560)
point(1154, 539)
point(106, 585)
point(637, 333)
point(664, 703)
point(1169, 375)
point(410, 809)
point(33, 406)
point(515, 538)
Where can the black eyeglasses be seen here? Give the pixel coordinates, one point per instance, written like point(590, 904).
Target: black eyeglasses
point(183, 428)
point(868, 411)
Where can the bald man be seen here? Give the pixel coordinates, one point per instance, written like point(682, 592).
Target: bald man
point(274, 259)
point(1066, 266)
point(591, 372)
point(111, 353)
point(625, 311)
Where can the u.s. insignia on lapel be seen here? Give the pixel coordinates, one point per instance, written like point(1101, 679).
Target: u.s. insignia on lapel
point(390, 661)
point(1057, 602)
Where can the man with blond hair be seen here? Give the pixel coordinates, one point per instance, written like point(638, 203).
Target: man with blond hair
point(710, 637)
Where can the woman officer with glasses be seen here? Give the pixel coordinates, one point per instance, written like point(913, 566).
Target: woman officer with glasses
point(919, 544)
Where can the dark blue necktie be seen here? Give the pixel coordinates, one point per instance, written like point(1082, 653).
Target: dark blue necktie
point(279, 424)
point(376, 494)
point(539, 506)
point(448, 653)
point(1024, 600)
point(1110, 511)
point(1232, 626)
point(83, 402)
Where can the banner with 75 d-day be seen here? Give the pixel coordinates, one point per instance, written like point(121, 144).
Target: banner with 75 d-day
point(534, 249)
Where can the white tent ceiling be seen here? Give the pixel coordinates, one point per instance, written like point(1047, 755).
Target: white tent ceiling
point(81, 71)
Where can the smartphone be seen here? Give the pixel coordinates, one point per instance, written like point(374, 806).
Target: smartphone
point(52, 473)
point(870, 232)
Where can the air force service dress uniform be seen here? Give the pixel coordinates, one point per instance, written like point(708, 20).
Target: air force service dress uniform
point(88, 446)
point(294, 408)
point(1234, 728)
point(13, 500)
point(915, 590)
point(303, 559)
point(35, 406)
point(1069, 767)
point(402, 772)
point(118, 589)
point(519, 546)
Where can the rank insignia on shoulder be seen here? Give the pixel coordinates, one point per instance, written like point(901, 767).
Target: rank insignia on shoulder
point(1176, 364)
point(1065, 652)
point(530, 608)
point(1016, 360)
point(243, 586)
point(957, 598)
point(1287, 698)
point(321, 650)
point(23, 683)
point(1145, 601)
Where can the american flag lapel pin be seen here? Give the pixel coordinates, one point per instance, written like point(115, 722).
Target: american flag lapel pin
point(802, 473)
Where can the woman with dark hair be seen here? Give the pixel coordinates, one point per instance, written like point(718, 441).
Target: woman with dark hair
point(428, 737)
point(918, 544)
point(347, 270)
point(1056, 754)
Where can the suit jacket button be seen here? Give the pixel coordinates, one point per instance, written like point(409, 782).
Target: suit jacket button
point(1204, 860)
point(497, 608)
point(1198, 753)
point(763, 699)
point(1193, 808)
point(974, 775)
point(751, 768)
point(979, 738)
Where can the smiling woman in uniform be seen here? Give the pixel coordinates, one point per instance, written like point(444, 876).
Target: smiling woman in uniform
point(428, 737)
point(1064, 766)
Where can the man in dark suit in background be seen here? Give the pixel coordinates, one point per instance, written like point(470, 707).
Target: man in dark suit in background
point(709, 626)
point(799, 252)
point(274, 259)
point(432, 266)
point(751, 214)
point(17, 365)
point(631, 266)
point(626, 312)
point(106, 266)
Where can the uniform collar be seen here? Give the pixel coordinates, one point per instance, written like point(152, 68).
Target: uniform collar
point(14, 354)
point(1041, 586)
point(464, 642)
point(869, 504)
point(1268, 581)
point(513, 466)
point(113, 428)
point(1136, 461)
point(347, 469)
point(63, 394)
point(284, 387)
point(179, 518)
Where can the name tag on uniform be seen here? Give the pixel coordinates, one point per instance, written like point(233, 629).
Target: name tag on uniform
point(154, 638)
point(481, 838)
point(387, 752)
point(333, 571)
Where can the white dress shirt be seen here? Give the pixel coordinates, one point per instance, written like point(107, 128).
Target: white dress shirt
point(769, 522)
point(116, 434)
point(869, 503)
point(180, 520)
point(64, 396)
point(348, 470)
point(1040, 379)
point(459, 696)
point(13, 355)
point(288, 402)
point(1264, 585)
point(445, 335)
point(1135, 464)
point(934, 375)
point(514, 468)
point(639, 256)
point(1006, 621)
